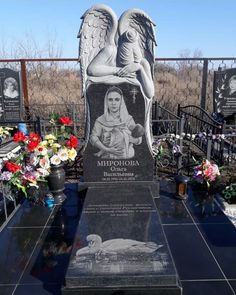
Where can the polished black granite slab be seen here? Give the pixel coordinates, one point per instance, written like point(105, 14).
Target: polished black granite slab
point(136, 161)
point(221, 239)
point(205, 209)
point(233, 284)
point(206, 288)
point(202, 246)
point(188, 242)
point(121, 244)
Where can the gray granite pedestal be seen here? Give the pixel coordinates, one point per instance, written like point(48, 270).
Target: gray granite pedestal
point(120, 246)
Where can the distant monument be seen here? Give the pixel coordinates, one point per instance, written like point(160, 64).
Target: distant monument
point(122, 246)
point(10, 96)
point(225, 94)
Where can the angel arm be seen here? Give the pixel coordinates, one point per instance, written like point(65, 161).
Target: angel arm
point(136, 30)
point(144, 75)
point(104, 63)
point(145, 78)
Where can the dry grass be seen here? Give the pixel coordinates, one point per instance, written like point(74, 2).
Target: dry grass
point(176, 82)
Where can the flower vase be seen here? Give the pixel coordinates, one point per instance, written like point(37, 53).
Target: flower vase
point(56, 183)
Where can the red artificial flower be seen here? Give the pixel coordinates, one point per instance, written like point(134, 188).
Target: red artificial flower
point(34, 137)
point(32, 145)
point(12, 167)
point(19, 136)
point(73, 142)
point(65, 120)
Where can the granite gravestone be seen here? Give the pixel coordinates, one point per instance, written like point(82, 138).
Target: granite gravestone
point(10, 96)
point(225, 93)
point(134, 163)
point(120, 245)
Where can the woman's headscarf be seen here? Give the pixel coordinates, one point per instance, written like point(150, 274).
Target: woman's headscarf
point(124, 115)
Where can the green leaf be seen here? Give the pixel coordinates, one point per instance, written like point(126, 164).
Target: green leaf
point(54, 116)
point(21, 187)
point(161, 149)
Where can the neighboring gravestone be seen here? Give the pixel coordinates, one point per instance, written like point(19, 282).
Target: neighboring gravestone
point(225, 92)
point(120, 245)
point(10, 96)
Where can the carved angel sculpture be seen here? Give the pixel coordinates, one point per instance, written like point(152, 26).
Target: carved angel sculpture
point(113, 51)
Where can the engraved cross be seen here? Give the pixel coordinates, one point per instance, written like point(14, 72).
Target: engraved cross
point(134, 92)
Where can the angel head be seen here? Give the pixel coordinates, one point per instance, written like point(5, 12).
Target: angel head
point(131, 35)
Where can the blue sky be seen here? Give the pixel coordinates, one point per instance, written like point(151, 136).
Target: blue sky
point(207, 25)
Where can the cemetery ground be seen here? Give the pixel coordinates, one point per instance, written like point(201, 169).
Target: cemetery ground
point(39, 241)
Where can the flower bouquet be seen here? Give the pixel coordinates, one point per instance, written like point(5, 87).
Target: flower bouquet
point(205, 174)
point(36, 158)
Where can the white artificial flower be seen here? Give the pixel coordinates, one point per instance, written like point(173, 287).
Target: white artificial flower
point(55, 160)
point(50, 137)
point(63, 154)
point(33, 159)
point(56, 145)
point(42, 150)
point(43, 172)
point(43, 143)
point(44, 163)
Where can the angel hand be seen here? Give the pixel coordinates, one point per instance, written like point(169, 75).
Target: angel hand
point(130, 68)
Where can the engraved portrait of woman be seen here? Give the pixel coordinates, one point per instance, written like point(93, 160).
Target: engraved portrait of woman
point(115, 133)
point(10, 88)
point(231, 90)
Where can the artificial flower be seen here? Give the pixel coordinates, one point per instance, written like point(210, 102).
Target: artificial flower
point(50, 137)
point(73, 142)
point(206, 172)
point(63, 154)
point(43, 172)
point(32, 145)
point(34, 137)
point(41, 150)
point(44, 163)
point(56, 145)
point(19, 136)
point(12, 167)
point(33, 164)
point(72, 154)
point(6, 175)
point(33, 159)
point(55, 160)
point(65, 120)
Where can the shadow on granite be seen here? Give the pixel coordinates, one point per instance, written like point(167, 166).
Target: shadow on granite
point(171, 210)
point(204, 209)
point(49, 262)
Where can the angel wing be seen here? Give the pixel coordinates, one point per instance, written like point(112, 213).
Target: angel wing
point(143, 25)
point(98, 29)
